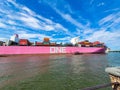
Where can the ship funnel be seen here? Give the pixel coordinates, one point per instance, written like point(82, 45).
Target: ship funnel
point(75, 40)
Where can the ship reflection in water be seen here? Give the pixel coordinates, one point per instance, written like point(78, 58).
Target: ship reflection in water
point(65, 72)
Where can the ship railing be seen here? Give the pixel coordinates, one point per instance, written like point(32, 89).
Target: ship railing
point(97, 87)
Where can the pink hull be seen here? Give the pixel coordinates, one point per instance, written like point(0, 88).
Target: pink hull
point(9, 50)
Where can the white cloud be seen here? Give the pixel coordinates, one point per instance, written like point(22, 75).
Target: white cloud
point(67, 16)
point(28, 36)
point(55, 3)
point(30, 21)
point(2, 25)
point(25, 19)
point(70, 19)
point(27, 10)
point(11, 22)
point(106, 19)
point(78, 31)
point(112, 10)
point(57, 25)
point(88, 31)
point(12, 2)
point(110, 20)
point(108, 31)
point(40, 22)
point(21, 32)
point(63, 40)
point(3, 39)
point(101, 4)
point(109, 38)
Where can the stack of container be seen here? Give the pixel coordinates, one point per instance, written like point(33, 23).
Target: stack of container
point(24, 42)
point(98, 44)
point(86, 43)
point(38, 43)
point(46, 41)
point(53, 44)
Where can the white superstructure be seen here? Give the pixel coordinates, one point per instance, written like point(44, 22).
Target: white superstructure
point(75, 40)
point(15, 38)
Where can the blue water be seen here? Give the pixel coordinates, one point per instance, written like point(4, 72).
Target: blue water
point(113, 59)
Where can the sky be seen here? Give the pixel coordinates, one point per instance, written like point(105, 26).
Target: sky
point(62, 20)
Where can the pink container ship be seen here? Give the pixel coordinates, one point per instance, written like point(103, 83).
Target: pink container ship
point(16, 46)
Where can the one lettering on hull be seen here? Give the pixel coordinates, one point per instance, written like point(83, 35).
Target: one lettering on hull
point(57, 49)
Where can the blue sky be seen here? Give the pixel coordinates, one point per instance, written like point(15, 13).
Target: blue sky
point(61, 20)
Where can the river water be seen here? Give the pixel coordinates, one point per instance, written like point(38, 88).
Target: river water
point(55, 72)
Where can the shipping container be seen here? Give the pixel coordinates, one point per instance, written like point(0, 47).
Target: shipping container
point(46, 39)
point(86, 43)
point(24, 42)
point(82, 45)
point(46, 43)
point(99, 45)
point(38, 44)
point(96, 42)
point(52, 44)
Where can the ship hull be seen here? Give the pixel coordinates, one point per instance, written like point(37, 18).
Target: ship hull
point(11, 50)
